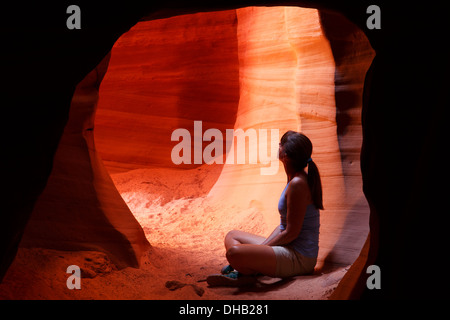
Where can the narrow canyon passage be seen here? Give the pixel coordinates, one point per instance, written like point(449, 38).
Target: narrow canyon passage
point(88, 111)
point(279, 75)
point(251, 69)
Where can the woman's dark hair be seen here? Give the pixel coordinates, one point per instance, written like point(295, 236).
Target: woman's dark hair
point(298, 148)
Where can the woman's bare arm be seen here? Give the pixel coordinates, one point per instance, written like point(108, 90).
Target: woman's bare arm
point(274, 233)
point(297, 198)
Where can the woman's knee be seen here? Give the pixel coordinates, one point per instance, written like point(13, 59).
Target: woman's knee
point(230, 236)
point(234, 254)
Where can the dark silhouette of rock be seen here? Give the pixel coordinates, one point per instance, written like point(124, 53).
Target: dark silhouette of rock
point(402, 161)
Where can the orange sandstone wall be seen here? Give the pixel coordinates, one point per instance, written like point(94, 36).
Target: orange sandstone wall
point(287, 81)
point(401, 156)
point(80, 209)
point(251, 68)
point(163, 75)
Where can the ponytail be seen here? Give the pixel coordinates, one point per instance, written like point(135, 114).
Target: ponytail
point(315, 185)
point(298, 148)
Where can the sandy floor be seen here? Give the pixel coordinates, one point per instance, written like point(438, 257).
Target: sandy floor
point(186, 231)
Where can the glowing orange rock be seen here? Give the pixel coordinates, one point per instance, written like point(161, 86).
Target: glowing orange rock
point(251, 68)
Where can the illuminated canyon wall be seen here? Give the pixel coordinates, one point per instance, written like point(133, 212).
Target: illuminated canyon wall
point(287, 81)
point(252, 68)
point(80, 208)
point(164, 75)
point(242, 72)
point(54, 174)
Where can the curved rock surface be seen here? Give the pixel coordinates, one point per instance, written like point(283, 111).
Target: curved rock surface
point(401, 155)
point(250, 69)
point(164, 75)
point(275, 70)
point(80, 209)
point(287, 81)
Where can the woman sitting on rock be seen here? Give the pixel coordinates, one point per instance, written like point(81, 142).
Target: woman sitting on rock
point(293, 246)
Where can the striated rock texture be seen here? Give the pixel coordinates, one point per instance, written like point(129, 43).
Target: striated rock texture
point(402, 124)
point(287, 82)
point(164, 75)
point(252, 68)
point(80, 209)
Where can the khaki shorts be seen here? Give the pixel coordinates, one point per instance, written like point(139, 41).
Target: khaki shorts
point(292, 263)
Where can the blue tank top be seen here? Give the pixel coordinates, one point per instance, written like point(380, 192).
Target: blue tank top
point(307, 242)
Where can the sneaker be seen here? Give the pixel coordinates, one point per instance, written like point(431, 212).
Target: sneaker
point(232, 279)
point(227, 269)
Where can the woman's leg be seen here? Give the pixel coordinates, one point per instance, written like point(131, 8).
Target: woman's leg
point(251, 259)
point(236, 237)
point(246, 254)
